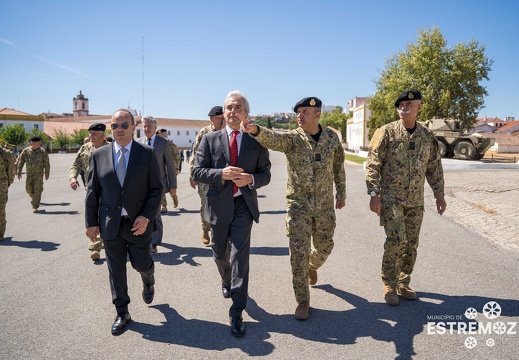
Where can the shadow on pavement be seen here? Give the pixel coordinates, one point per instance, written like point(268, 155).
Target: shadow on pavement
point(45, 212)
point(56, 204)
point(31, 244)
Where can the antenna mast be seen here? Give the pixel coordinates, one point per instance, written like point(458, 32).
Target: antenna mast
point(142, 52)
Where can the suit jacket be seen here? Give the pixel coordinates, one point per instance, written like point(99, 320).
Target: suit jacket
point(213, 154)
point(140, 194)
point(164, 155)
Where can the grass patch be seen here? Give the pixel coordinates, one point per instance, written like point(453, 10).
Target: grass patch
point(355, 158)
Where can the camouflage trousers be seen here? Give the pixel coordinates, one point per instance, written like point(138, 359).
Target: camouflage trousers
point(202, 192)
point(402, 226)
point(164, 201)
point(3, 203)
point(34, 187)
point(304, 227)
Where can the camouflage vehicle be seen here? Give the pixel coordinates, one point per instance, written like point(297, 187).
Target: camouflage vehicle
point(453, 142)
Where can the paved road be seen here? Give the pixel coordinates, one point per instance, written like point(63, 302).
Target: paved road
point(55, 303)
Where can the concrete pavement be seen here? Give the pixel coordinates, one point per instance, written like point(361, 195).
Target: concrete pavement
point(55, 303)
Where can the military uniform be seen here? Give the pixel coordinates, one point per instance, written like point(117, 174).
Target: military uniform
point(38, 165)
point(176, 159)
point(313, 168)
point(7, 172)
point(202, 188)
point(398, 164)
point(82, 163)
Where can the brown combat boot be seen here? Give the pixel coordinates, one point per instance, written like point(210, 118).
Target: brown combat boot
point(34, 210)
point(406, 292)
point(206, 239)
point(302, 311)
point(312, 276)
point(95, 255)
point(163, 209)
point(175, 201)
point(390, 295)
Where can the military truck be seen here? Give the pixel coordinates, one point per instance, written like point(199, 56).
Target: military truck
point(453, 142)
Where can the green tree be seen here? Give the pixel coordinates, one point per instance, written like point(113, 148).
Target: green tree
point(336, 119)
point(61, 139)
point(449, 80)
point(14, 134)
point(78, 136)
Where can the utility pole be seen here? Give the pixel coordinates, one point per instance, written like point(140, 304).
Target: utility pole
point(142, 54)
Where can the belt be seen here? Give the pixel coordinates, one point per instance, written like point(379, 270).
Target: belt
point(125, 217)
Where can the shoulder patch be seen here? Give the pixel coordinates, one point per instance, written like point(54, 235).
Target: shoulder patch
point(376, 139)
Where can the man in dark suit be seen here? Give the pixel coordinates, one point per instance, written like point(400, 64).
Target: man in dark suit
point(234, 166)
point(120, 207)
point(168, 172)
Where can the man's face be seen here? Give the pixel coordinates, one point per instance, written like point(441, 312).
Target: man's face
point(97, 137)
point(308, 117)
point(149, 129)
point(121, 135)
point(408, 110)
point(233, 106)
point(35, 144)
point(217, 121)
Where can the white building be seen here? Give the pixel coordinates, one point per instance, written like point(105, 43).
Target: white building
point(357, 126)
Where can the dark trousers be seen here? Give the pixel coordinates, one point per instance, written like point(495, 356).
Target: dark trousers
point(137, 248)
point(231, 252)
point(158, 230)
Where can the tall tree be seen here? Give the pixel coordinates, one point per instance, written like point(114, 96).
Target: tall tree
point(78, 136)
point(44, 138)
point(14, 134)
point(449, 80)
point(336, 119)
point(61, 138)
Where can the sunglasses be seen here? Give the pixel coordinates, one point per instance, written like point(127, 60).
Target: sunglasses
point(125, 125)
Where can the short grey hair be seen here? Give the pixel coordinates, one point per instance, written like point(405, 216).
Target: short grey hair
point(238, 94)
point(149, 119)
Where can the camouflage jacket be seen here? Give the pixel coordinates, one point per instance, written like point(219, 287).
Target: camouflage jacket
point(313, 167)
point(37, 161)
point(176, 156)
point(7, 168)
point(82, 160)
point(398, 164)
point(199, 136)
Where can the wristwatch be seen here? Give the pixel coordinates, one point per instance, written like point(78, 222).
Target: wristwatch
point(372, 193)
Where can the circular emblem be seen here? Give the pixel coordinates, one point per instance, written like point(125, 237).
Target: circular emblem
point(471, 342)
point(312, 102)
point(492, 310)
point(410, 95)
point(471, 313)
point(490, 342)
point(499, 328)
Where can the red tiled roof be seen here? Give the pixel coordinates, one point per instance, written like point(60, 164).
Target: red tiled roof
point(7, 111)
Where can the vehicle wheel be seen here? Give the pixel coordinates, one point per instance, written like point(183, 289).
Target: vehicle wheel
point(442, 148)
point(478, 156)
point(464, 150)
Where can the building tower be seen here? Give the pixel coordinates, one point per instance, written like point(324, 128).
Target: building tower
point(80, 105)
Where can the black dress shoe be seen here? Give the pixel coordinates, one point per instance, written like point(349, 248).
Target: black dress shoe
point(226, 292)
point(147, 293)
point(237, 326)
point(120, 322)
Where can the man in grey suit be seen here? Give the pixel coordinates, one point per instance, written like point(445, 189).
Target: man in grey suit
point(168, 172)
point(234, 166)
point(120, 207)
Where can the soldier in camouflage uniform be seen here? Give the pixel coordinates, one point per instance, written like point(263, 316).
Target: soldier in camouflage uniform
point(315, 161)
point(82, 164)
point(7, 172)
point(402, 155)
point(38, 166)
point(176, 159)
point(217, 121)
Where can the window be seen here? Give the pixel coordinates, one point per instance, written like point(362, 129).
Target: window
point(187, 133)
point(36, 126)
point(178, 133)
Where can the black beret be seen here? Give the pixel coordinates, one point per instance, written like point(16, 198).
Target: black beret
point(216, 110)
point(407, 95)
point(35, 138)
point(97, 127)
point(161, 131)
point(308, 102)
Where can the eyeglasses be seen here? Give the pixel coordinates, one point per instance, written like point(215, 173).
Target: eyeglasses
point(125, 125)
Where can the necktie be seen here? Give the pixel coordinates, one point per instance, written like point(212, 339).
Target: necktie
point(121, 166)
point(234, 154)
point(149, 141)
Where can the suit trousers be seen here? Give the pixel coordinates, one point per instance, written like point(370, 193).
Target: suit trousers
point(137, 248)
point(231, 252)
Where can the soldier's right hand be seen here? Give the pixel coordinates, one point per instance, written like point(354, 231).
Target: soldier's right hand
point(375, 204)
point(74, 184)
point(193, 183)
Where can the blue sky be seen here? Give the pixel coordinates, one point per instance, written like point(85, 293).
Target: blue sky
point(276, 52)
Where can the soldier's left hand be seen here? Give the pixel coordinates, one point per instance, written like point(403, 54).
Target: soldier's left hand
point(441, 204)
point(340, 203)
point(46, 177)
